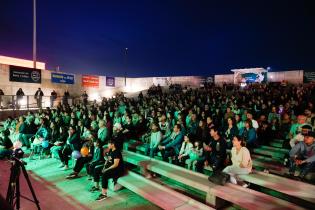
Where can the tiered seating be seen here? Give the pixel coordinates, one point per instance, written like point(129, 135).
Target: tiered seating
point(286, 186)
point(215, 194)
point(271, 164)
point(271, 152)
point(159, 195)
point(277, 143)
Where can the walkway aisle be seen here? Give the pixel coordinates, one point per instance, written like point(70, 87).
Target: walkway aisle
point(56, 193)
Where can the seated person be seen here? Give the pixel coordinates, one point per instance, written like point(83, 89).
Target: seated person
point(102, 133)
point(194, 155)
point(299, 137)
point(6, 146)
point(184, 151)
point(93, 159)
point(155, 139)
point(118, 136)
point(60, 140)
point(129, 128)
point(248, 133)
point(302, 155)
point(40, 136)
point(241, 160)
point(214, 152)
point(113, 168)
point(171, 145)
point(73, 143)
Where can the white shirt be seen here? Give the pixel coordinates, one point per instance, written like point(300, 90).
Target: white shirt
point(185, 150)
point(255, 124)
point(243, 156)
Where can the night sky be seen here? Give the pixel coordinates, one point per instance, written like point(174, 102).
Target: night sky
point(163, 37)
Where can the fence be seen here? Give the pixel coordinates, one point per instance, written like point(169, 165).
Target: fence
point(32, 102)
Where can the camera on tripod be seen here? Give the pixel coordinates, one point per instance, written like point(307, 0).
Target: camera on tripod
point(13, 193)
point(17, 153)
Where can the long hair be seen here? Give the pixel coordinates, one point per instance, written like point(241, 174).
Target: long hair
point(241, 139)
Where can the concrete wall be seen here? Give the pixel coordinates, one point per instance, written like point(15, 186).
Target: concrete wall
point(224, 78)
point(132, 84)
point(293, 77)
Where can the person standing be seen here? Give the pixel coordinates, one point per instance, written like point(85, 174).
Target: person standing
point(85, 98)
point(19, 97)
point(39, 97)
point(65, 98)
point(1, 94)
point(53, 97)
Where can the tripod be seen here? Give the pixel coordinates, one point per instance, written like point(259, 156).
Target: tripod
point(13, 192)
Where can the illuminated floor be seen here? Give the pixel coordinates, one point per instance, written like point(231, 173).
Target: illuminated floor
point(56, 192)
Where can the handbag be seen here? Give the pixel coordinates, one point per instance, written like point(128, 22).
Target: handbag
point(219, 177)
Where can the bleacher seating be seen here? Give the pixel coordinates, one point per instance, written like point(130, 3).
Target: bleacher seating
point(286, 186)
point(238, 195)
point(161, 196)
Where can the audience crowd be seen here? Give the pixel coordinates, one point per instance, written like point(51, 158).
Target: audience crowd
point(194, 128)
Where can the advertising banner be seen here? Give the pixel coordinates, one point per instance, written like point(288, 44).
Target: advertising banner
point(110, 81)
point(162, 81)
point(90, 81)
point(23, 74)
point(308, 76)
point(62, 78)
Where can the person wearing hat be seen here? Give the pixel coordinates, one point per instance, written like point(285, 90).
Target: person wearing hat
point(300, 136)
point(118, 135)
point(302, 155)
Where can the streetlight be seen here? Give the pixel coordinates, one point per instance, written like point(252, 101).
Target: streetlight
point(125, 62)
point(34, 34)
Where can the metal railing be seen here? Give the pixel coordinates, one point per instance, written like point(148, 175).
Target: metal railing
point(32, 102)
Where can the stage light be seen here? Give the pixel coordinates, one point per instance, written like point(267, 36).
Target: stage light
point(95, 96)
point(23, 102)
point(47, 102)
point(107, 93)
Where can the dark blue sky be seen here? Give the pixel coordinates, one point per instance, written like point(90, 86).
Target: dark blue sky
point(164, 37)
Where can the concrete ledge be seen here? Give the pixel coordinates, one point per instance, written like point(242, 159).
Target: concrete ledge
point(159, 195)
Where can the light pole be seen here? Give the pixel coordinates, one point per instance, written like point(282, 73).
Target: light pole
point(125, 62)
point(34, 34)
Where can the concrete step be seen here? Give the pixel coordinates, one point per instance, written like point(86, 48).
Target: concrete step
point(274, 154)
point(276, 144)
point(161, 196)
point(282, 150)
point(286, 186)
point(216, 194)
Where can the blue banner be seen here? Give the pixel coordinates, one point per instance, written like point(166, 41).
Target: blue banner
point(110, 81)
point(62, 78)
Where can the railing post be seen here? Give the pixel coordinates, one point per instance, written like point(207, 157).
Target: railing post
point(27, 102)
point(14, 103)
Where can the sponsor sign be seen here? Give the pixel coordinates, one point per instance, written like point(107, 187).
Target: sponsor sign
point(24, 74)
point(110, 81)
point(90, 81)
point(62, 78)
point(308, 76)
